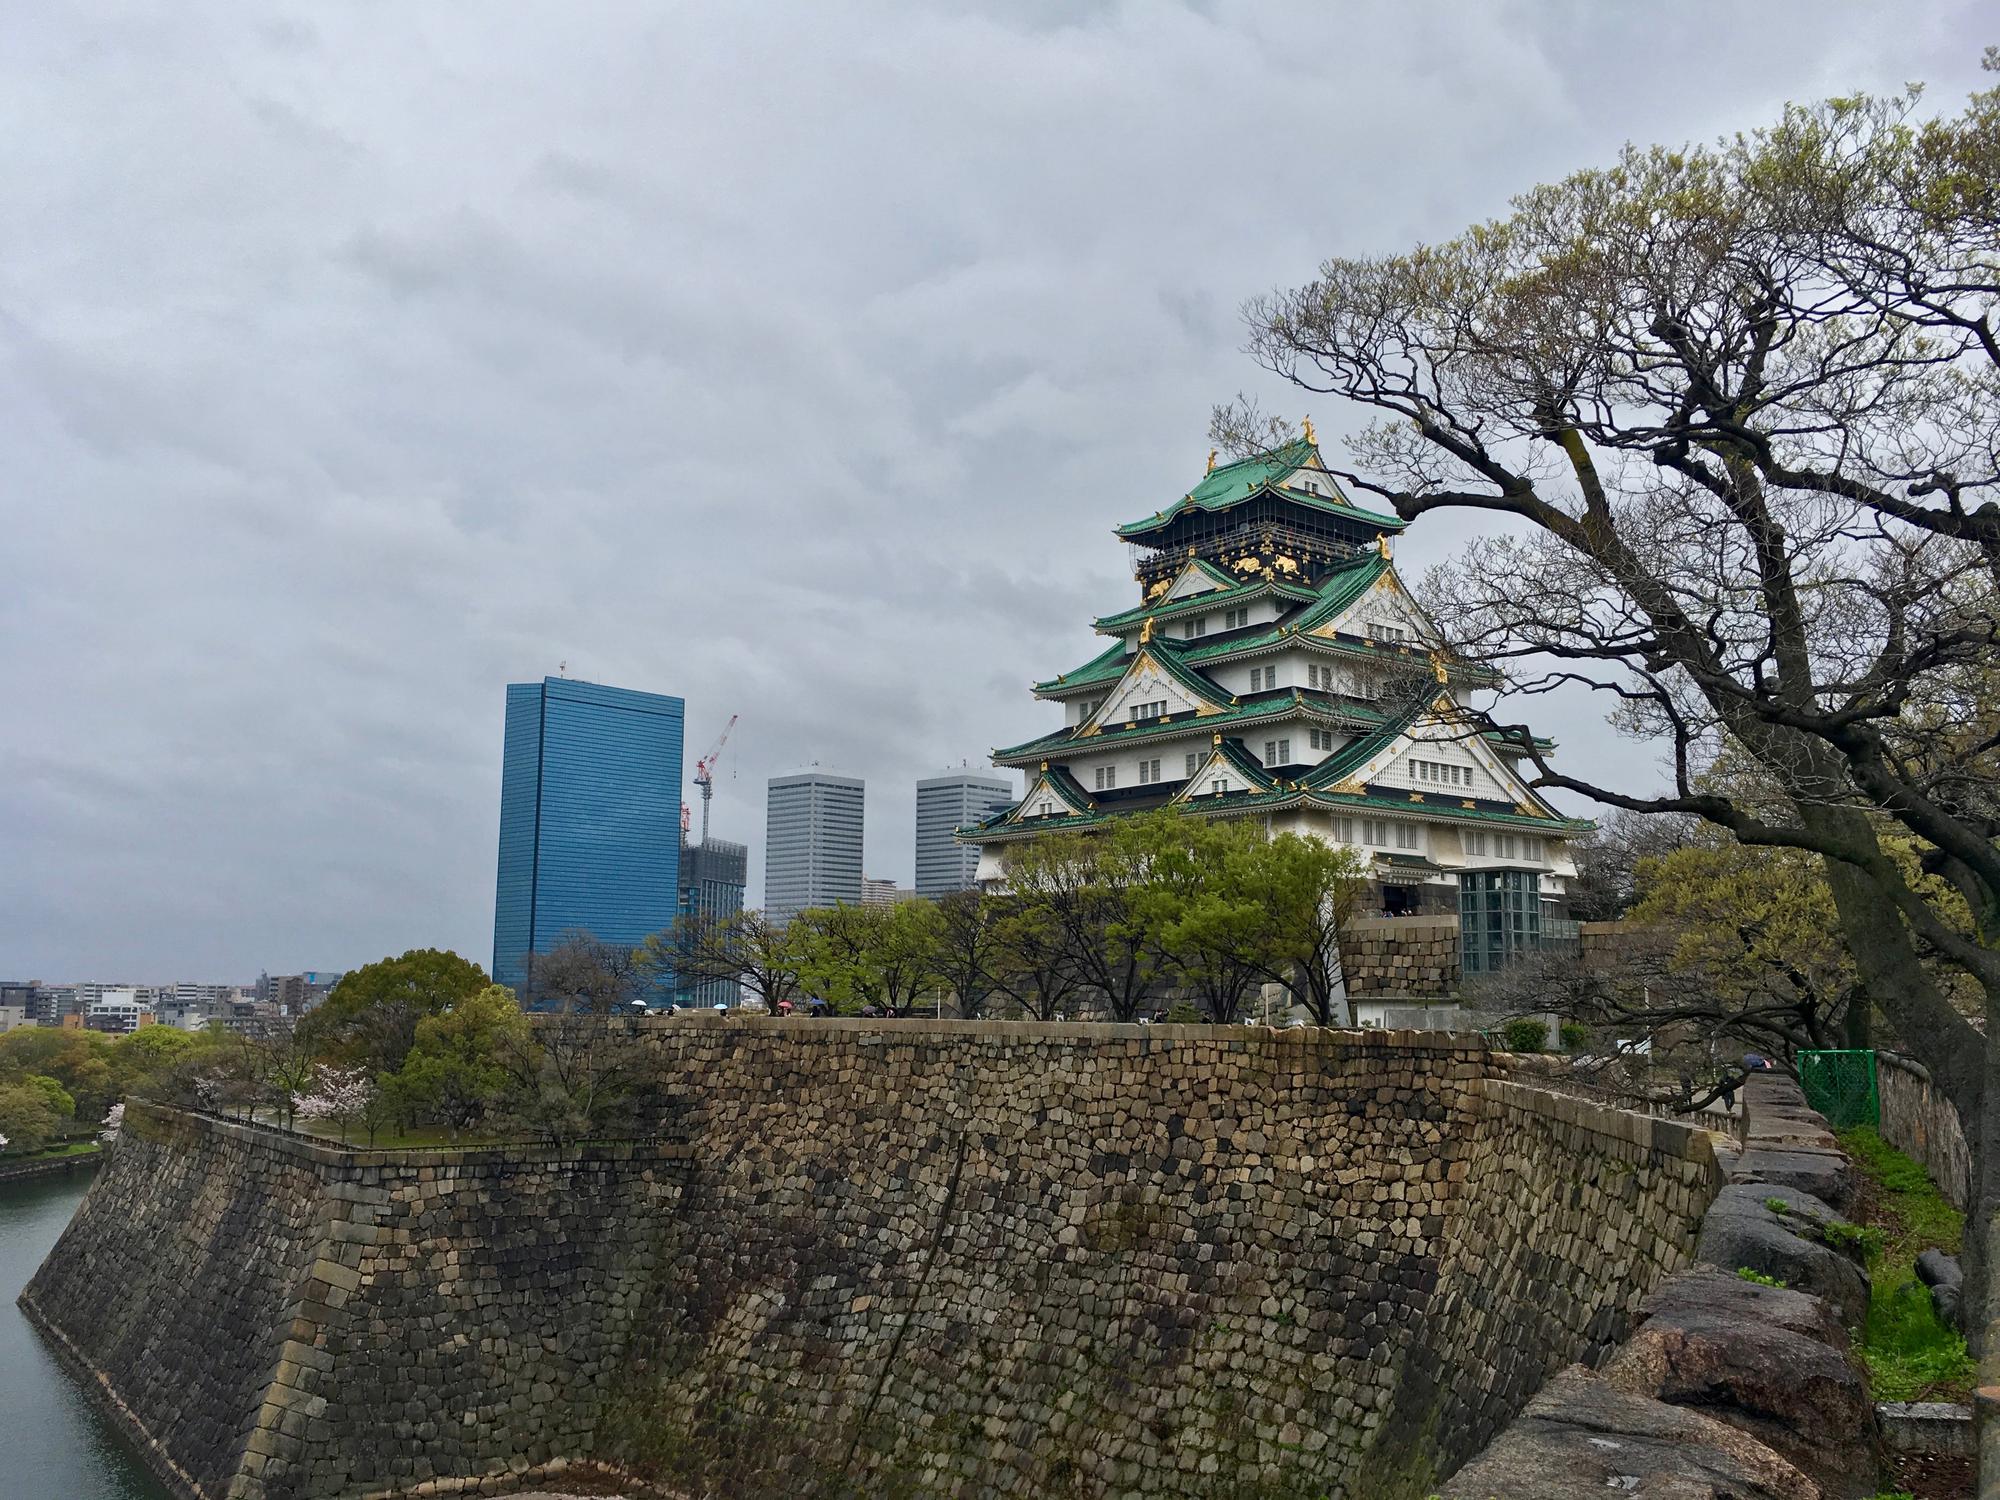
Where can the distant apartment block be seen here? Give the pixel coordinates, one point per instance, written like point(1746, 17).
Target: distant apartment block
point(713, 875)
point(812, 843)
point(292, 994)
point(590, 804)
point(120, 1012)
point(944, 805)
point(878, 892)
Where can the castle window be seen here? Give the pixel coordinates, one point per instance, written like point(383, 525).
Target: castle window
point(1149, 771)
point(1156, 710)
point(1197, 626)
point(1343, 829)
point(1322, 739)
point(1107, 778)
point(1409, 836)
point(1277, 752)
point(1193, 763)
point(1236, 619)
point(1475, 841)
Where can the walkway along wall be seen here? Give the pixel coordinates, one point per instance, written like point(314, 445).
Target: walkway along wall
point(897, 1258)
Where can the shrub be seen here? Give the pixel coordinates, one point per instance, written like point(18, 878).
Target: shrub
point(1525, 1035)
point(1574, 1035)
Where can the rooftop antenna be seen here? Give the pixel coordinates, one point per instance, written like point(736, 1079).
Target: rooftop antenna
point(562, 669)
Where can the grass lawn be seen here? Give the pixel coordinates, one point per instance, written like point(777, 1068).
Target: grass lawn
point(1911, 1355)
point(65, 1148)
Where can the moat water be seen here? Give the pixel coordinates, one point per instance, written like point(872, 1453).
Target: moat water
point(52, 1441)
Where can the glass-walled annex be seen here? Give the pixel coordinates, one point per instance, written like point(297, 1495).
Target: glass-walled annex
point(1499, 915)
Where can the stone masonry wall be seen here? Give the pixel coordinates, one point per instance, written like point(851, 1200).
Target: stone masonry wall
point(893, 1259)
point(1005, 1261)
point(1572, 1214)
point(1919, 1121)
point(1401, 955)
point(274, 1318)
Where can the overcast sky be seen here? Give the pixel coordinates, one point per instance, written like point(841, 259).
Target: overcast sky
point(359, 359)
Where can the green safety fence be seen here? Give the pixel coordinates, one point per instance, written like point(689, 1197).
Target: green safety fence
point(1841, 1086)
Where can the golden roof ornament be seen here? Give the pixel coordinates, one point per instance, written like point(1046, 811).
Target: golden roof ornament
point(1218, 739)
point(1211, 460)
point(1311, 436)
point(1437, 667)
point(1146, 632)
point(1382, 543)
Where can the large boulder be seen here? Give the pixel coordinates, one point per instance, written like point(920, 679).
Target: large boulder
point(1741, 1230)
point(1826, 1174)
point(1582, 1438)
point(1942, 1274)
point(1771, 1362)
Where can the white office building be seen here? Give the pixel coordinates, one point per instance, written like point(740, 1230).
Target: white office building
point(946, 804)
point(812, 843)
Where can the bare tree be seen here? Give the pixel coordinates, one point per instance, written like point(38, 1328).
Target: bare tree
point(1741, 408)
point(582, 976)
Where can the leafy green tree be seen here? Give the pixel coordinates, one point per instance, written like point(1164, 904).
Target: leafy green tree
point(370, 1019)
point(856, 956)
point(457, 1068)
point(1028, 965)
point(745, 950)
point(1755, 945)
point(968, 944)
point(1306, 892)
point(59, 1097)
point(1085, 889)
point(78, 1060)
point(28, 1116)
point(1195, 898)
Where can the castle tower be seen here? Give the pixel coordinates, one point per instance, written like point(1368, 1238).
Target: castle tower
point(1275, 667)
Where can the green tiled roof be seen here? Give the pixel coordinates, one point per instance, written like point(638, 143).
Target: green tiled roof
point(1065, 740)
point(1231, 484)
point(1168, 654)
point(1343, 588)
point(1293, 796)
point(1358, 752)
point(1335, 593)
point(1107, 666)
point(1191, 603)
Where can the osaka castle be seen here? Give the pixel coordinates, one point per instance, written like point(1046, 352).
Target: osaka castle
point(1275, 667)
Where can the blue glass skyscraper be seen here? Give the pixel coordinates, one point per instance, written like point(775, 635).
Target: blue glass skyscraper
point(590, 809)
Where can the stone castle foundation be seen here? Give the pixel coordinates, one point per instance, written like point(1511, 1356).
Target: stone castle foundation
point(896, 1258)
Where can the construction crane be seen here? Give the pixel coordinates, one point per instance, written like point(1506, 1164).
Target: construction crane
point(704, 772)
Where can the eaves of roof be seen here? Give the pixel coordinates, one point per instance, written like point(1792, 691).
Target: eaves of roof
point(1291, 795)
point(1235, 483)
point(1107, 666)
point(1288, 702)
point(1168, 609)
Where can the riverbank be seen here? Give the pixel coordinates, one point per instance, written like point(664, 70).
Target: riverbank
point(82, 1157)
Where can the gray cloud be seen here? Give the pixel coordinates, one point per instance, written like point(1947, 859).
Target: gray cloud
point(355, 361)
